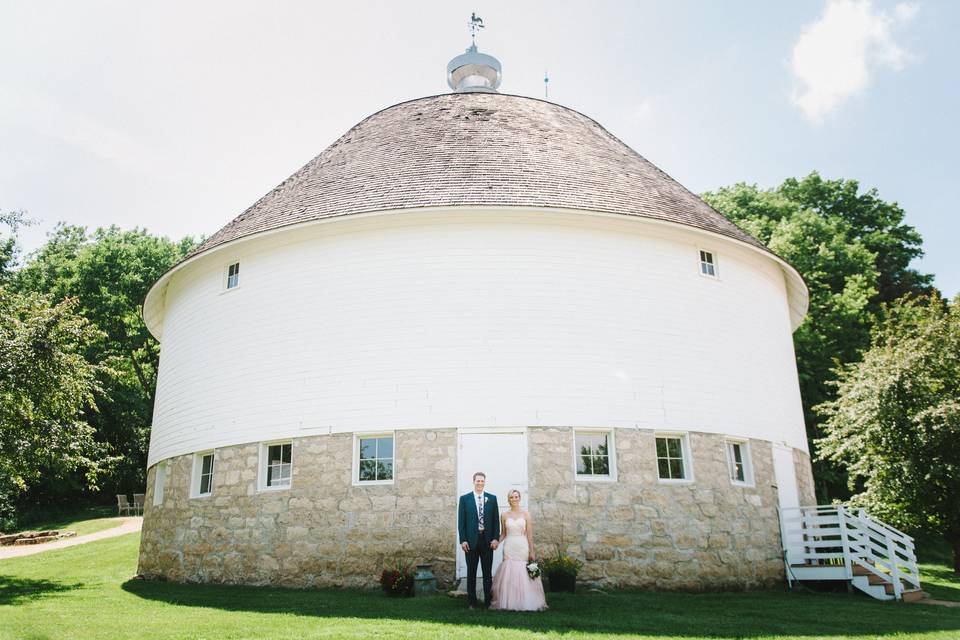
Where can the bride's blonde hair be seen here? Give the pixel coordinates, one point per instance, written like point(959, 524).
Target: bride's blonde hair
point(511, 492)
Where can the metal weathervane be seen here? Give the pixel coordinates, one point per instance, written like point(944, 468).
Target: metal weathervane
point(476, 23)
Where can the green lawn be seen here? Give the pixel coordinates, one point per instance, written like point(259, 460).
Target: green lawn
point(88, 520)
point(86, 592)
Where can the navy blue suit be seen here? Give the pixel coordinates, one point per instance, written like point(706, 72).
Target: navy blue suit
point(468, 526)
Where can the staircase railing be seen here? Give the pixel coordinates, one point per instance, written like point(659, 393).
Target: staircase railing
point(836, 535)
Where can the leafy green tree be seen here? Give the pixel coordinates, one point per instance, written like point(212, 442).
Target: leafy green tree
point(109, 273)
point(895, 423)
point(877, 224)
point(45, 385)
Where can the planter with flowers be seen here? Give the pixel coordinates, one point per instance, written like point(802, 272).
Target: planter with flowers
point(397, 582)
point(561, 572)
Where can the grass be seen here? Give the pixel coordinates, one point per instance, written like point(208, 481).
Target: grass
point(935, 561)
point(87, 592)
point(83, 521)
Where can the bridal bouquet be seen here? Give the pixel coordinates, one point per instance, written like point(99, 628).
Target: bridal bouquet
point(533, 570)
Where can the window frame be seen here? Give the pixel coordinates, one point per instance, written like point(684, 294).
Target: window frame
point(747, 461)
point(226, 275)
point(197, 475)
point(160, 477)
point(355, 473)
point(685, 452)
point(714, 262)
point(264, 463)
point(611, 456)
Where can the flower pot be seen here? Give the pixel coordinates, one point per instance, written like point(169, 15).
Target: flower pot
point(562, 582)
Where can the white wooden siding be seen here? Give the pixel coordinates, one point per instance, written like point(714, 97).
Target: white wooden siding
point(475, 319)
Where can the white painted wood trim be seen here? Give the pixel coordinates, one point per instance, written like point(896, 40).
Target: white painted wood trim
point(355, 479)
point(262, 463)
point(612, 455)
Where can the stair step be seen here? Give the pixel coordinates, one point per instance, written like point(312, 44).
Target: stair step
point(875, 579)
point(913, 595)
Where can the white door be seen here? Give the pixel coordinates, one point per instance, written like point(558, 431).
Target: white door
point(502, 456)
point(788, 496)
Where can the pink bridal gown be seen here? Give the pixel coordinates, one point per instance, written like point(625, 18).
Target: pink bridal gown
point(512, 587)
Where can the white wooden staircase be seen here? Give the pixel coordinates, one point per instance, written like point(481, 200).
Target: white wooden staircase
point(835, 542)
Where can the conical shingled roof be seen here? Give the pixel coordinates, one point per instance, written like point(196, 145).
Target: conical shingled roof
point(476, 149)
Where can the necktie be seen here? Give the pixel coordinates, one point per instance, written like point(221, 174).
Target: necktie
point(480, 510)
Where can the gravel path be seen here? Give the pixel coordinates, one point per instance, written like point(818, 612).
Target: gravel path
point(128, 525)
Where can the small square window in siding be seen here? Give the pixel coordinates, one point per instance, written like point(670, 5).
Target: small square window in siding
point(233, 275)
point(708, 265)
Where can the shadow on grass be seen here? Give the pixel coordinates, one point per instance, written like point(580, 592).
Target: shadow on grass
point(940, 582)
point(61, 518)
point(15, 590)
point(720, 615)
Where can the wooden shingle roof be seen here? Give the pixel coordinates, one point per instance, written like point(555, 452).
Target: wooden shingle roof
point(476, 149)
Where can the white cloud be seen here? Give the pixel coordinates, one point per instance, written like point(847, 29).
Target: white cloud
point(834, 56)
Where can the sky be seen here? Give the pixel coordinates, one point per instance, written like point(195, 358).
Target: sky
point(176, 116)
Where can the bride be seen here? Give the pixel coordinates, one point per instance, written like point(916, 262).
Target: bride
point(512, 588)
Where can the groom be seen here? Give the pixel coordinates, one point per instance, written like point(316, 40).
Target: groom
point(478, 521)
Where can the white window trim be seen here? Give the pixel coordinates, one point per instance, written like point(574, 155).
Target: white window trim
point(747, 462)
point(611, 449)
point(198, 469)
point(355, 473)
point(160, 478)
point(225, 276)
point(684, 449)
point(716, 264)
point(264, 462)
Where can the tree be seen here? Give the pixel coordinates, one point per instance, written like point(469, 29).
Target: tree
point(45, 384)
point(877, 224)
point(895, 423)
point(109, 274)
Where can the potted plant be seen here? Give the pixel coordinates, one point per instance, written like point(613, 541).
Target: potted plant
point(397, 582)
point(561, 572)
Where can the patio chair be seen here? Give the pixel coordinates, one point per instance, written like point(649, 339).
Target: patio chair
point(123, 506)
point(138, 499)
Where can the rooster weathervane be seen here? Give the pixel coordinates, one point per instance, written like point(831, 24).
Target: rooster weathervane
point(476, 23)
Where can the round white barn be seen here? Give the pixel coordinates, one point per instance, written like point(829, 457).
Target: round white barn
point(475, 282)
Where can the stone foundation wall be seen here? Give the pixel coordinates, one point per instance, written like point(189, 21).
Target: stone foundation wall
point(640, 532)
point(324, 531)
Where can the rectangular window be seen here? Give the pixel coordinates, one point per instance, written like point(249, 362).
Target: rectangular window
point(708, 265)
point(738, 461)
point(233, 275)
point(159, 481)
point(593, 451)
point(202, 475)
point(279, 466)
point(672, 458)
point(374, 457)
